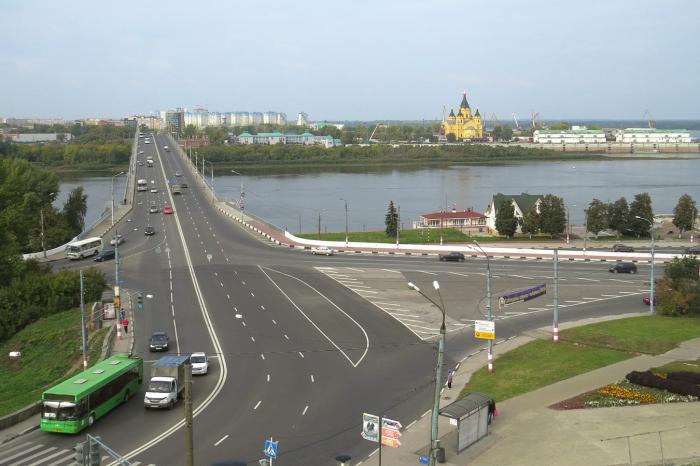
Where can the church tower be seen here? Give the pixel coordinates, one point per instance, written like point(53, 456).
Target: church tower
point(464, 125)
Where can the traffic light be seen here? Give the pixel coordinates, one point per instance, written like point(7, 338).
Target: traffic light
point(79, 454)
point(95, 452)
point(139, 301)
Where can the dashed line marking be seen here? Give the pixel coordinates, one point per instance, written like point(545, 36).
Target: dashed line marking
point(303, 413)
point(253, 338)
point(285, 336)
point(221, 440)
point(301, 354)
point(268, 377)
point(257, 404)
point(312, 378)
point(274, 321)
point(262, 356)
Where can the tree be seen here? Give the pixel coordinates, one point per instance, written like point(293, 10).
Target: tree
point(451, 138)
point(531, 221)
point(618, 216)
point(552, 215)
point(190, 131)
point(75, 209)
point(497, 133)
point(684, 214)
point(391, 220)
point(678, 292)
point(506, 221)
point(641, 207)
point(597, 216)
point(507, 133)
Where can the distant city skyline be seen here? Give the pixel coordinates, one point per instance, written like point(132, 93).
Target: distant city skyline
point(355, 61)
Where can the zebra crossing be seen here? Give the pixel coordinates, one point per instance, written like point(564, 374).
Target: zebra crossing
point(39, 454)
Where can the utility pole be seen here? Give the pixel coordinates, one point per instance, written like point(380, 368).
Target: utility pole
point(43, 244)
point(82, 323)
point(555, 320)
point(398, 224)
point(319, 224)
point(189, 444)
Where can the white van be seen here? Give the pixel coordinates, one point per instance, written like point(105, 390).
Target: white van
point(84, 248)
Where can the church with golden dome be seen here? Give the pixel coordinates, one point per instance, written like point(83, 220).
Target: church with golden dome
point(463, 125)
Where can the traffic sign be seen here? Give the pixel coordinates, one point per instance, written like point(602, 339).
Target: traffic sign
point(370, 427)
point(271, 448)
point(391, 433)
point(391, 442)
point(391, 424)
point(485, 329)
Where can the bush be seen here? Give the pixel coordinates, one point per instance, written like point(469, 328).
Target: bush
point(649, 379)
point(690, 377)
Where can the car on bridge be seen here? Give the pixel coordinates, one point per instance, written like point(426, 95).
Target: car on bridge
point(154, 190)
point(622, 248)
point(624, 267)
point(153, 209)
point(149, 231)
point(116, 240)
point(322, 251)
point(158, 342)
point(452, 256)
point(104, 255)
point(200, 363)
point(167, 210)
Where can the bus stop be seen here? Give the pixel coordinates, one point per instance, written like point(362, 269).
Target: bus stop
point(470, 415)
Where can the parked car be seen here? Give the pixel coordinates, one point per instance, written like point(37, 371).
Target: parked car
point(167, 210)
point(104, 255)
point(646, 300)
point(200, 363)
point(693, 251)
point(322, 250)
point(158, 342)
point(116, 240)
point(452, 256)
point(622, 248)
point(624, 267)
point(149, 231)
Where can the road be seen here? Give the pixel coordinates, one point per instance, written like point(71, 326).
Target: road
point(301, 345)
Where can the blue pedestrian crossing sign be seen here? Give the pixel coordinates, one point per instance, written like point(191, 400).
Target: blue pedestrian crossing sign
point(271, 448)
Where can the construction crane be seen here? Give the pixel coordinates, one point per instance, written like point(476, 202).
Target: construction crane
point(650, 120)
point(494, 120)
point(379, 125)
point(535, 119)
point(515, 119)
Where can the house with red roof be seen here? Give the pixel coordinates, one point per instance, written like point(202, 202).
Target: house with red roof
point(467, 221)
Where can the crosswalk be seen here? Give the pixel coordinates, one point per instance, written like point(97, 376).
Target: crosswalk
point(38, 454)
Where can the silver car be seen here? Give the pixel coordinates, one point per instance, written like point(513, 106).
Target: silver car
point(200, 363)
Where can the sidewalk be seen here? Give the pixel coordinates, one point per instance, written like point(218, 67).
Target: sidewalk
point(527, 432)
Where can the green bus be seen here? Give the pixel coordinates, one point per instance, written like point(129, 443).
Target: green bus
point(76, 403)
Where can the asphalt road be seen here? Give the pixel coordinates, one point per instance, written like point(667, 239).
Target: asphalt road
point(302, 345)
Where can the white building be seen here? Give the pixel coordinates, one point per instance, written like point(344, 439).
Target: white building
point(652, 135)
point(575, 135)
point(302, 119)
point(306, 139)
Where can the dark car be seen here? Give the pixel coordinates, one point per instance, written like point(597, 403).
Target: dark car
point(184, 185)
point(105, 255)
point(452, 256)
point(693, 251)
point(158, 342)
point(149, 231)
point(624, 267)
point(622, 248)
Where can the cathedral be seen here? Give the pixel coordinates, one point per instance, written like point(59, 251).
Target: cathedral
point(464, 125)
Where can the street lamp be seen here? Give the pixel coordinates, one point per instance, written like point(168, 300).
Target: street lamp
point(211, 164)
point(113, 177)
point(568, 223)
point(434, 442)
point(346, 221)
point(240, 199)
point(651, 279)
point(489, 357)
point(41, 214)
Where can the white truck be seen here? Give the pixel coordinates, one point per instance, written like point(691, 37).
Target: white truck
point(167, 382)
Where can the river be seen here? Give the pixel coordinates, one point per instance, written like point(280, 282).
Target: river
point(295, 201)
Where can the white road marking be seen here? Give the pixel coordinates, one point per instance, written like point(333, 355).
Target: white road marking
point(252, 294)
point(30, 449)
point(521, 276)
point(257, 404)
point(243, 322)
point(268, 377)
point(58, 453)
point(221, 440)
point(274, 321)
point(262, 307)
point(262, 356)
point(285, 336)
point(405, 315)
point(312, 378)
point(253, 338)
point(621, 281)
point(588, 279)
point(301, 354)
point(304, 412)
point(35, 455)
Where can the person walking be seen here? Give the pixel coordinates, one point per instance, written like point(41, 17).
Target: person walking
point(492, 410)
point(450, 376)
point(125, 323)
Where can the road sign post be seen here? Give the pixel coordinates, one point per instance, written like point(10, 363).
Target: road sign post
point(271, 449)
point(485, 329)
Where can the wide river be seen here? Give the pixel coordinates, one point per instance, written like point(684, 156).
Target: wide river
point(295, 201)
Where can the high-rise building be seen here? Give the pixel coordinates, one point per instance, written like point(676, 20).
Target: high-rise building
point(175, 121)
point(302, 119)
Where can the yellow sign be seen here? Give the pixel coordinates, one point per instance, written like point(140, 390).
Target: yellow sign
point(485, 329)
point(117, 302)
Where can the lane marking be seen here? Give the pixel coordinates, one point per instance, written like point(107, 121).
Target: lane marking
point(262, 356)
point(268, 377)
point(301, 354)
point(303, 413)
point(285, 336)
point(257, 404)
point(312, 378)
point(221, 440)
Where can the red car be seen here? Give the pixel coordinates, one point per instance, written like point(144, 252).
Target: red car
point(167, 210)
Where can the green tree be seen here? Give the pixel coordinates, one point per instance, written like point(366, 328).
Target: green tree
point(506, 221)
point(497, 133)
point(552, 215)
point(507, 133)
point(74, 210)
point(597, 216)
point(391, 220)
point(618, 216)
point(531, 221)
point(684, 214)
point(451, 138)
point(641, 207)
point(678, 292)
point(190, 131)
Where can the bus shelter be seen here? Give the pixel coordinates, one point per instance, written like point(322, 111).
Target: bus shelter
point(470, 414)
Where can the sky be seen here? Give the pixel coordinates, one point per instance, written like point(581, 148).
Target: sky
point(351, 60)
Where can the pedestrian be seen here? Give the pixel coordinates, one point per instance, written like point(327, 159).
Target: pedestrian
point(125, 323)
point(492, 409)
point(450, 376)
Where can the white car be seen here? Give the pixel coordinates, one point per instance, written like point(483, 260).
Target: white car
point(154, 190)
point(200, 363)
point(322, 250)
point(116, 239)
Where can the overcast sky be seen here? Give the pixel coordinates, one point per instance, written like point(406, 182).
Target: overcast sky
point(352, 60)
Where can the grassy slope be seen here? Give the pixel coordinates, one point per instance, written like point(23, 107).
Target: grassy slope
point(414, 237)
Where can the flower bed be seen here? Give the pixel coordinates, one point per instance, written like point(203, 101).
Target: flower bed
point(622, 393)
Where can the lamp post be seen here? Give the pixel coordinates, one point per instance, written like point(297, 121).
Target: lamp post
point(41, 214)
point(113, 177)
point(489, 356)
point(651, 279)
point(211, 165)
point(434, 442)
point(568, 223)
point(242, 197)
point(346, 221)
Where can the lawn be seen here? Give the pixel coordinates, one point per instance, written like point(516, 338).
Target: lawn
point(51, 350)
point(416, 236)
point(582, 349)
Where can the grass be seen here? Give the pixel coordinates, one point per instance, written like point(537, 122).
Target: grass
point(51, 351)
point(416, 236)
point(582, 349)
point(678, 366)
